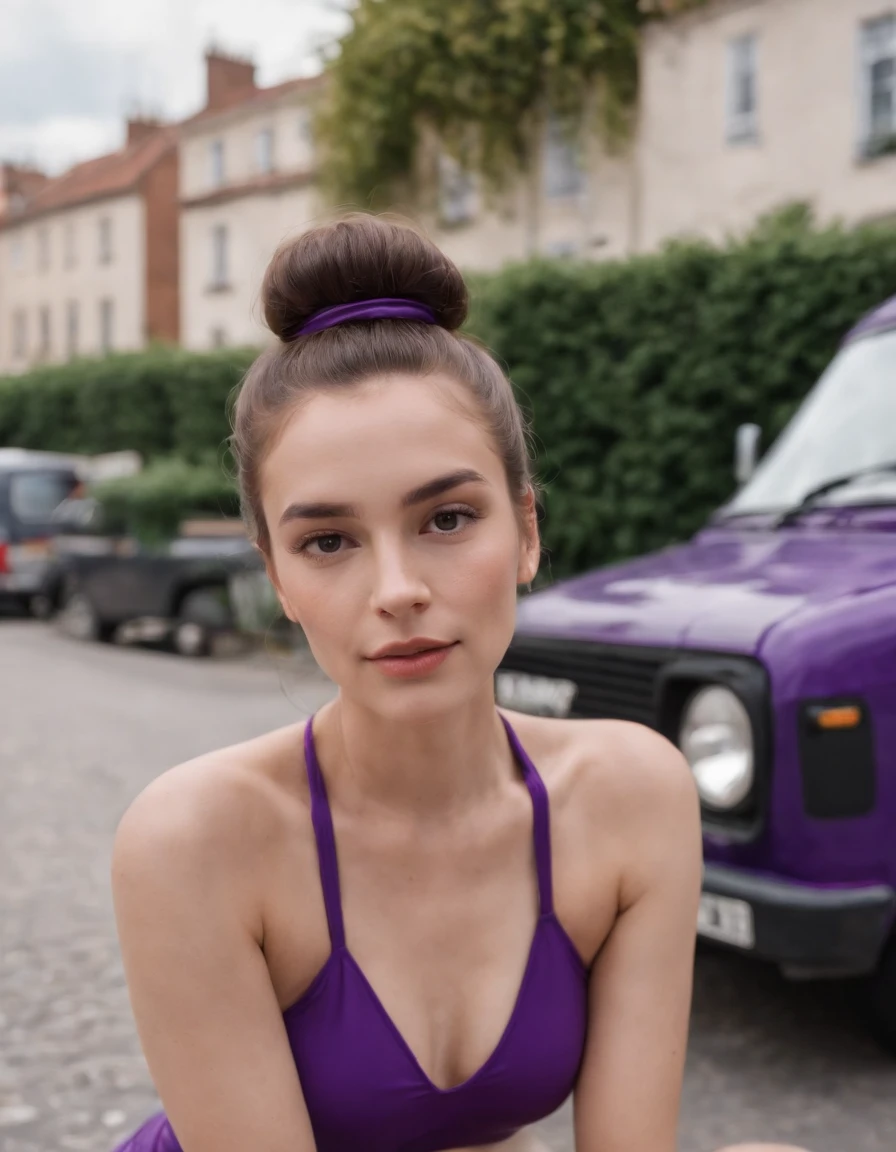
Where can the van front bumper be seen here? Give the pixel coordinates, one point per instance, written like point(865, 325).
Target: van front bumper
point(808, 931)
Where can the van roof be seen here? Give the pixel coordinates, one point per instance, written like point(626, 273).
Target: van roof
point(880, 319)
point(25, 458)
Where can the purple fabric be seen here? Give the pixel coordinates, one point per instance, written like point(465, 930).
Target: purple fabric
point(364, 1087)
point(386, 308)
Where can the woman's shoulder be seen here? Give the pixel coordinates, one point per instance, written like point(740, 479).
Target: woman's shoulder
point(220, 809)
point(607, 762)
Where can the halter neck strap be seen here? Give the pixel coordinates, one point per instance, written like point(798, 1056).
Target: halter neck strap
point(322, 821)
point(541, 820)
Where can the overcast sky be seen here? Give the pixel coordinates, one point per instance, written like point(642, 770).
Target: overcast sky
point(71, 70)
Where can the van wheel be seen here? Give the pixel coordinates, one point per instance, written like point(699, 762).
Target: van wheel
point(79, 619)
point(204, 613)
point(880, 999)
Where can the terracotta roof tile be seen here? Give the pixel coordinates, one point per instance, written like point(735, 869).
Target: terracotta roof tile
point(111, 175)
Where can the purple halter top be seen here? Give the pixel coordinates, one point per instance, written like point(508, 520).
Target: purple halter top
point(364, 1087)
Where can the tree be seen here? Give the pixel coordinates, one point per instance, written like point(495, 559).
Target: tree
point(478, 75)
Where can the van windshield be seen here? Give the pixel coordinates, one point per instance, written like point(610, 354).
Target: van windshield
point(847, 424)
point(34, 496)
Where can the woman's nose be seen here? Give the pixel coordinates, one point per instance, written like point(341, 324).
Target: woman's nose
point(398, 585)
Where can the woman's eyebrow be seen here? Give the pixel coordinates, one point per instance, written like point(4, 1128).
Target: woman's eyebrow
point(321, 511)
point(442, 484)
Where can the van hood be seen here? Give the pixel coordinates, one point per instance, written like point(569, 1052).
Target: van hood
point(723, 591)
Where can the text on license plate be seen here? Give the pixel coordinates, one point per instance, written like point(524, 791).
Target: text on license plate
point(730, 921)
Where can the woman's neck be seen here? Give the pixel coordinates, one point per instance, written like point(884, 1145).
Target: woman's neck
point(428, 767)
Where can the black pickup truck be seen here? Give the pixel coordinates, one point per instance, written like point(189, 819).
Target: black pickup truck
point(207, 583)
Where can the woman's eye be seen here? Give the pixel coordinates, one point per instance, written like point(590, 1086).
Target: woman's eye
point(323, 545)
point(452, 520)
point(446, 521)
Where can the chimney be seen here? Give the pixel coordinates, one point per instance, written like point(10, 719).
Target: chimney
point(18, 183)
point(229, 80)
point(139, 127)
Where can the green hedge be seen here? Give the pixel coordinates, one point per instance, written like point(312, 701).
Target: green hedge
point(152, 504)
point(164, 402)
point(638, 374)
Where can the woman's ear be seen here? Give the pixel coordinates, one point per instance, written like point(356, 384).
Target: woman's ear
point(530, 540)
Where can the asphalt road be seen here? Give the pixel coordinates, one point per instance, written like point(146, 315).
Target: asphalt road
point(84, 728)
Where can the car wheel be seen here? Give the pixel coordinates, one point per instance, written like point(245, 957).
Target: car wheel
point(204, 613)
point(79, 619)
point(880, 999)
point(40, 606)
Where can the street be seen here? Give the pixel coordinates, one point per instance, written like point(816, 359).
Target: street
point(84, 728)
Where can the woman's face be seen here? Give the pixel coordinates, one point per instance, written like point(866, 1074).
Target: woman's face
point(391, 524)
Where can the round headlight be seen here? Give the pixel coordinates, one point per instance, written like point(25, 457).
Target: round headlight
point(717, 741)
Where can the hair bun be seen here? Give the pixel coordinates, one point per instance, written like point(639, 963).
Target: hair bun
point(359, 257)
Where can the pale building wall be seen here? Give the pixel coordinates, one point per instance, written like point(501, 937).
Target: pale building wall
point(255, 207)
point(690, 179)
point(73, 271)
point(256, 223)
point(238, 131)
point(594, 223)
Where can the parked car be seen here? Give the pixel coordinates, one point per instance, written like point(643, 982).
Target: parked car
point(765, 647)
point(32, 485)
point(190, 591)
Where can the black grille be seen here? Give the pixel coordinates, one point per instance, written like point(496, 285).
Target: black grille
point(612, 683)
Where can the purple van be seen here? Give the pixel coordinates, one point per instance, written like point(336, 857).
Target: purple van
point(765, 648)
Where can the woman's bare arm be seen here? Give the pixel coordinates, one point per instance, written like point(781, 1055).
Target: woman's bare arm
point(191, 933)
point(627, 1096)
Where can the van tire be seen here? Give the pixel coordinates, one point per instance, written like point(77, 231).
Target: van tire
point(79, 618)
point(880, 999)
point(203, 614)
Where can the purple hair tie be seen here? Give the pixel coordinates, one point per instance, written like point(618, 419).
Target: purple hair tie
point(385, 308)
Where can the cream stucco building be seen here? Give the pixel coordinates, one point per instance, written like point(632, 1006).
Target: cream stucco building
point(747, 105)
point(246, 183)
point(88, 263)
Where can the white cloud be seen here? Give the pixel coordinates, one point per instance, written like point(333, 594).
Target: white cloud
point(71, 70)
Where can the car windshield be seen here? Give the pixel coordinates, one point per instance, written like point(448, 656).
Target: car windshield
point(33, 496)
point(847, 424)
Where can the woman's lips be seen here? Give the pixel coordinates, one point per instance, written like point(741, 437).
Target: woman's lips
point(415, 664)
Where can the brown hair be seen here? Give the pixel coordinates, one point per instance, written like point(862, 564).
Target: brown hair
point(356, 258)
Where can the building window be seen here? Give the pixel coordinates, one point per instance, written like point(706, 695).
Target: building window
point(264, 150)
point(107, 320)
point(44, 330)
point(19, 333)
point(743, 97)
point(563, 175)
point(218, 338)
point(17, 253)
point(43, 249)
point(457, 192)
point(70, 256)
point(71, 328)
point(220, 254)
point(878, 64)
point(105, 240)
point(305, 127)
point(216, 161)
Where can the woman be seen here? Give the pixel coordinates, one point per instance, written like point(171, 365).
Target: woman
point(392, 901)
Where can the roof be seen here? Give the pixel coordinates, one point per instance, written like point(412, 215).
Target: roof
point(111, 175)
point(880, 319)
point(256, 101)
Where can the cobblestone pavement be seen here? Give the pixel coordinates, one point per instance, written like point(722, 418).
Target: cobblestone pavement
point(84, 728)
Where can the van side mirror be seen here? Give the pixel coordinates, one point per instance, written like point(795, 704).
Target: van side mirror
point(746, 451)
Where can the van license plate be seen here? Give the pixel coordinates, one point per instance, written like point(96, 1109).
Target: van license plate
point(727, 920)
